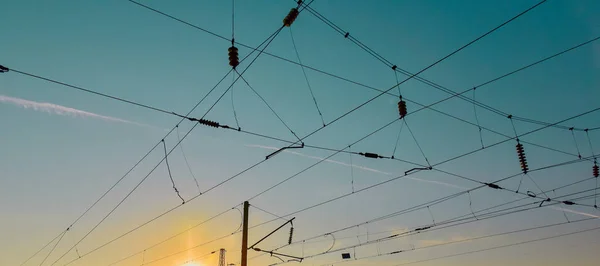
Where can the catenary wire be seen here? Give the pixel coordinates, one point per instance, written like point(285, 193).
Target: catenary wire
point(464, 240)
point(312, 94)
point(347, 80)
point(187, 162)
point(429, 107)
point(424, 205)
point(426, 228)
point(269, 106)
point(546, 167)
point(164, 240)
point(502, 246)
point(267, 41)
point(347, 35)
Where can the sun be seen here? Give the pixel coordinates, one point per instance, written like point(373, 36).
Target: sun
point(192, 264)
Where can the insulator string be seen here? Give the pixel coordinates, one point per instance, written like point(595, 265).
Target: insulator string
point(291, 17)
point(170, 175)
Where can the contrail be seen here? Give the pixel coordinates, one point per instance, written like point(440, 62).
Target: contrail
point(56, 109)
point(364, 168)
point(575, 212)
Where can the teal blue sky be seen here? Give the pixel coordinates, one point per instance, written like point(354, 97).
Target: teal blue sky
point(63, 148)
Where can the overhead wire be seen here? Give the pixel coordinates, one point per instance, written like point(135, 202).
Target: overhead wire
point(237, 122)
point(546, 167)
point(362, 85)
point(427, 228)
point(170, 175)
point(137, 163)
point(435, 202)
point(267, 41)
point(54, 247)
point(312, 94)
point(42, 248)
point(439, 163)
point(187, 162)
point(595, 168)
point(428, 106)
point(428, 82)
point(397, 139)
point(427, 67)
point(416, 142)
point(268, 212)
point(269, 106)
point(463, 240)
point(320, 71)
point(477, 119)
point(162, 241)
point(502, 246)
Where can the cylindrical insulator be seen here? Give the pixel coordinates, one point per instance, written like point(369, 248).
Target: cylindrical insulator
point(233, 56)
point(291, 235)
point(291, 17)
point(522, 158)
point(371, 155)
point(596, 170)
point(402, 109)
point(209, 123)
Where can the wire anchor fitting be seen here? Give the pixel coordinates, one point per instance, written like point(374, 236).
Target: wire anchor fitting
point(522, 157)
point(371, 155)
point(206, 122)
point(416, 169)
point(3, 69)
point(284, 148)
point(494, 186)
point(291, 17)
point(234, 59)
point(402, 108)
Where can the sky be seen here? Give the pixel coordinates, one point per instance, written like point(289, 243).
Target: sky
point(63, 148)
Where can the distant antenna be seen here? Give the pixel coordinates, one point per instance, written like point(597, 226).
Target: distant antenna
point(222, 257)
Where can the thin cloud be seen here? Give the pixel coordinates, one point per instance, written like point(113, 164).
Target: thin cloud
point(435, 242)
point(364, 168)
point(56, 109)
point(575, 212)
